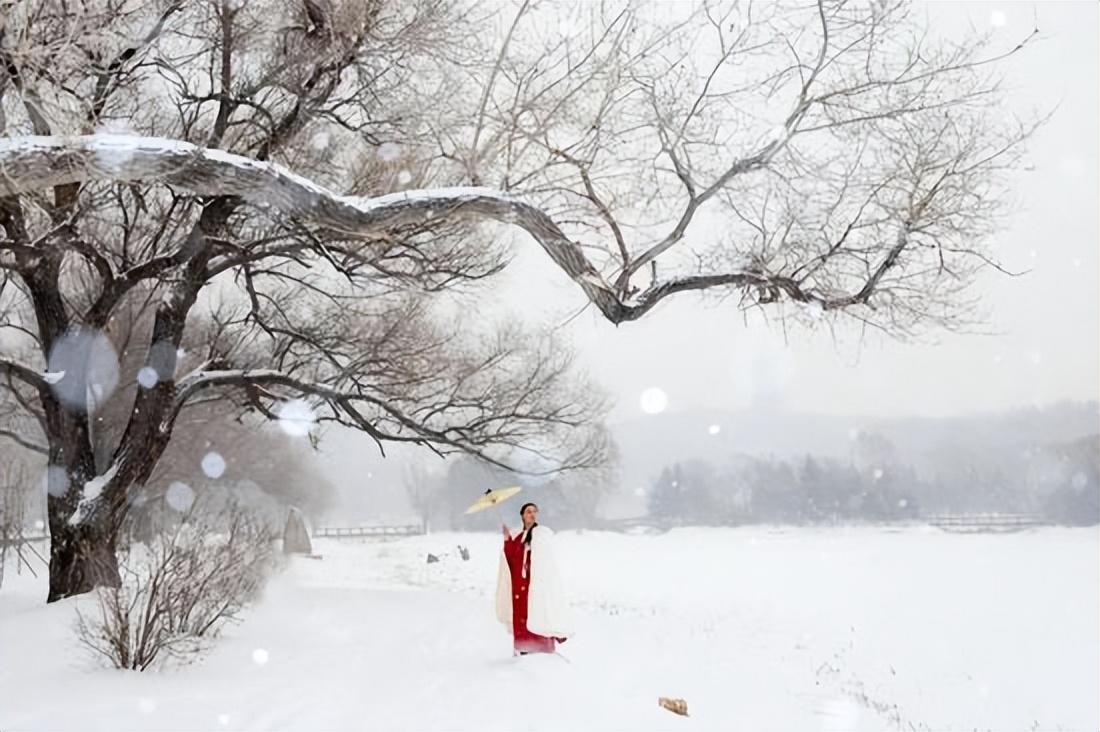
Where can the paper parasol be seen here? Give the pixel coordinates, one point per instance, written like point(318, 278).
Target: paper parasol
point(492, 498)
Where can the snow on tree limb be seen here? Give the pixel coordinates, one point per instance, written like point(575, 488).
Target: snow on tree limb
point(90, 496)
point(36, 162)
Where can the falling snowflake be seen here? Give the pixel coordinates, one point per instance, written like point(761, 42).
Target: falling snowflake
point(1035, 357)
point(997, 19)
point(89, 367)
point(260, 656)
point(39, 525)
point(180, 496)
point(147, 377)
point(296, 417)
point(903, 503)
point(1080, 480)
point(162, 360)
point(137, 495)
point(404, 177)
point(320, 141)
point(223, 720)
point(147, 706)
point(1077, 262)
point(998, 358)
point(389, 151)
point(213, 465)
point(815, 309)
point(878, 473)
point(714, 429)
point(639, 491)
point(56, 481)
point(654, 400)
point(53, 377)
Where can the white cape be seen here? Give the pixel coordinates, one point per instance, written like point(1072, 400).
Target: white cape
point(548, 612)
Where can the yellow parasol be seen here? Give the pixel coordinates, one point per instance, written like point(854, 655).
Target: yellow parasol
point(492, 498)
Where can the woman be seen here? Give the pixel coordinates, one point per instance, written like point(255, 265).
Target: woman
point(530, 600)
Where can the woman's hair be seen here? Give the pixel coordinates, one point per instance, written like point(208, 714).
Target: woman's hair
point(527, 539)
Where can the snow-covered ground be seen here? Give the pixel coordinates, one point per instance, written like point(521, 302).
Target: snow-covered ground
point(758, 629)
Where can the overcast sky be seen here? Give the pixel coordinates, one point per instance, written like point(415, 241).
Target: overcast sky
point(1047, 346)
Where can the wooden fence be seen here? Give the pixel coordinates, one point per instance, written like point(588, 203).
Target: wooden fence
point(353, 532)
point(993, 523)
point(22, 547)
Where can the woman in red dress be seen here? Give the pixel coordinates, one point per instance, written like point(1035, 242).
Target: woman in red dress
point(529, 596)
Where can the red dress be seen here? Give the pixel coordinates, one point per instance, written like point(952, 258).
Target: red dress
point(525, 640)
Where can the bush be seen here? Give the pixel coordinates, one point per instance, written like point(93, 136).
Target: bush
point(179, 590)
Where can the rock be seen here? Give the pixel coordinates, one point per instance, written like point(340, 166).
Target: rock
point(295, 535)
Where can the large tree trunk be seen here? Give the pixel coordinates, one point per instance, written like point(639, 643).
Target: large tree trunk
point(82, 557)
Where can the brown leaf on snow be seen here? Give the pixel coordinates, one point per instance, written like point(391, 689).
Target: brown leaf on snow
point(676, 706)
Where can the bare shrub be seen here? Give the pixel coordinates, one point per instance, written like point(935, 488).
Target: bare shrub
point(179, 590)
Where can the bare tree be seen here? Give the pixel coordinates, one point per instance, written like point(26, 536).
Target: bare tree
point(424, 488)
point(573, 499)
point(833, 157)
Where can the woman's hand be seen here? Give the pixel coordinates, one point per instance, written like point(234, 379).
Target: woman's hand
point(506, 530)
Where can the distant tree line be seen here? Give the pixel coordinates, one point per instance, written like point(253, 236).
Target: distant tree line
point(1059, 483)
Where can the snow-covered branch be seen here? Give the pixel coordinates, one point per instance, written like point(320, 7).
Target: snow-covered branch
point(36, 162)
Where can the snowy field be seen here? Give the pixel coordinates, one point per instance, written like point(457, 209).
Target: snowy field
point(758, 629)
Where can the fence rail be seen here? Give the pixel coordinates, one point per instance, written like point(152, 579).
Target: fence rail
point(953, 522)
point(23, 539)
point(348, 532)
point(22, 546)
point(984, 522)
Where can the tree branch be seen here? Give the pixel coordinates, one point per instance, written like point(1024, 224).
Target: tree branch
point(24, 442)
point(109, 74)
point(35, 162)
point(24, 373)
